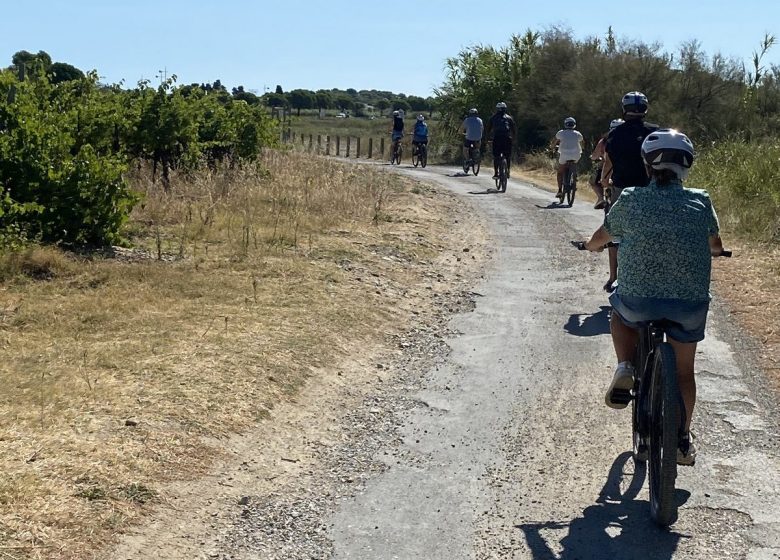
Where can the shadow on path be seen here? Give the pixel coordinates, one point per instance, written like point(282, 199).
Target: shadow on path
point(488, 191)
point(553, 206)
point(616, 526)
point(595, 324)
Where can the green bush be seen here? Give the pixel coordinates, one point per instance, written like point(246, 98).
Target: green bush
point(744, 182)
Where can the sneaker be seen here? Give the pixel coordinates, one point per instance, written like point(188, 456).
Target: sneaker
point(559, 195)
point(600, 204)
point(609, 286)
point(686, 452)
point(622, 381)
point(495, 176)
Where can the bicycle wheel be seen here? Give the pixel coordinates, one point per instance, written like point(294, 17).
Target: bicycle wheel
point(415, 156)
point(423, 155)
point(502, 174)
point(664, 436)
point(570, 195)
point(399, 153)
point(475, 166)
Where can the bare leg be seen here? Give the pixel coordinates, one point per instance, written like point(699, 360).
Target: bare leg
point(685, 353)
point(561, 171)
point(624, 339)
point(599, 190)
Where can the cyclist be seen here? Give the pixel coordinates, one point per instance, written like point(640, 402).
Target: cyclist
point(501, 129)
point(669, 234)
point(597, 156)
point(473, 128)
point(420, 133)
point(623, 166)
point(398, 129)
point(569, 143)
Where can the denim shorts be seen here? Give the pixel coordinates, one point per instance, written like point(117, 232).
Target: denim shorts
point(685, 320)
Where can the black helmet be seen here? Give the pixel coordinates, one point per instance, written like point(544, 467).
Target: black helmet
point(634, 103)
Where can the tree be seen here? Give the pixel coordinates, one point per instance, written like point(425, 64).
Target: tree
point(63, 72)
point(323, 100)
point(382, 105)
point(275, 100)
point(301, 99)
point(279, 90)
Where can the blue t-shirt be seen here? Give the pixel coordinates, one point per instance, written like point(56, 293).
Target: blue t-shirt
point(664, 236)
point(421, 130)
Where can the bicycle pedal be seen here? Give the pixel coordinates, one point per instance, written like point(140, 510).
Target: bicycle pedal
point(621, 396)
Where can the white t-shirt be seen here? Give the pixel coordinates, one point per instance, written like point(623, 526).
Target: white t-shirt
point(570, 143)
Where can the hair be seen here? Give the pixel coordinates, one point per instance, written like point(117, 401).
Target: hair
point(663, 177)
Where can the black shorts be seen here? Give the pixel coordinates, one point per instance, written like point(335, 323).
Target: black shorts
point(468, 143)
point(502, 145)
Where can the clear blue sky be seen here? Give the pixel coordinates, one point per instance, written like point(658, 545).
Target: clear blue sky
point(313, 44)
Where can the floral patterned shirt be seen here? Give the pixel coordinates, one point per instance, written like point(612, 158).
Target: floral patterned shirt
point(664, 241)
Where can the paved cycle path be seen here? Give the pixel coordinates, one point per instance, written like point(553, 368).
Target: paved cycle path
point(516, 455)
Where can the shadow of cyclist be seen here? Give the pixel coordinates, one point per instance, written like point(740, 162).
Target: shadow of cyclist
point(552, 206)
point(595, 324)
point(616, 526)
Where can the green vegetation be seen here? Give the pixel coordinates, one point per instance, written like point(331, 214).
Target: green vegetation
point(744, 182)
point(359, 103)
point(66, 142)
point(731, 113)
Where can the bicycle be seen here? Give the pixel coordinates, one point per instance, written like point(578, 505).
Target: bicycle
point(473, 160)
point(503, 173)
point(570, 182)
point(419, 154)
point(398, 150)
point(657, 413)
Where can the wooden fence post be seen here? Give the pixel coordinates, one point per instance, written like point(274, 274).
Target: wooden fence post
point(382, 147)
point(319, 144)
point(370, 147)
point(338, 145)
point(327, 145)
point(348, 141)
point(311, 142)
point(357, 148)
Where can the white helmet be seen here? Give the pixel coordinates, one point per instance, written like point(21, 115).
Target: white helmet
point(396, 113)
point(420, 118)
point(569, 122)
point(667, 148)
point(634, 103)
point(473, 111)
point(615, 123)
point(501, 106)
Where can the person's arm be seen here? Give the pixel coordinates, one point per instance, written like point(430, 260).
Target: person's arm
point(598, 151)
point(597, 241)
point(716, 243)
point(606, 170)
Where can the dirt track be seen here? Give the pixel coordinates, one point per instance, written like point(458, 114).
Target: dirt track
point(487, 437)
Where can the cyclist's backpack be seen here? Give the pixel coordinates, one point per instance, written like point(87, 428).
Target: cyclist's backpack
point(421, 130)
point(502, 126)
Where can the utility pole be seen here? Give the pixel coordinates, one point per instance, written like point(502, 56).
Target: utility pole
point(163, 75)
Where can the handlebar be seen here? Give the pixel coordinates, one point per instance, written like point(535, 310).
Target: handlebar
point(580, 246)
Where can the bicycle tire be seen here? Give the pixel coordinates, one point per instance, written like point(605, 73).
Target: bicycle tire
point(664, 436)
point(423, 156)
point(415, 157)
point(475, 167)
point(570, 196)
point(399, 154)
point(502, 174)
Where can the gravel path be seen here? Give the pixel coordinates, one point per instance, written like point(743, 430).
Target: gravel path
point(484, 434)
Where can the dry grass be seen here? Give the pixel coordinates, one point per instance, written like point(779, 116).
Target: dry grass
point(121, 373)
point(750, 284)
